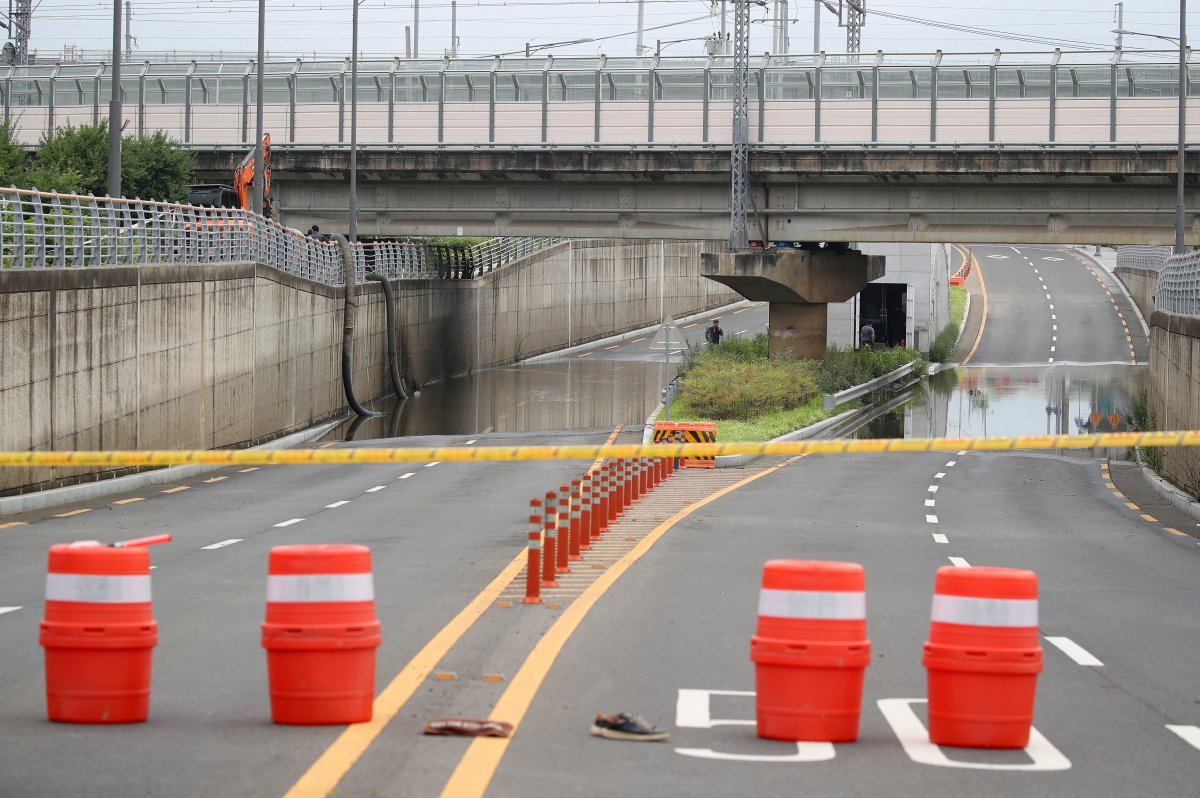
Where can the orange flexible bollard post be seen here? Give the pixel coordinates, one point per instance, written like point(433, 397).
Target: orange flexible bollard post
point(627, 483)
point(585, 513)
point(635, 481)
point(98, 632)
point(550, 543)
point(983, 657)
point(533, 568)
point(576, 519)
point(616, 502)
point(600, 517)
point(563, 560)
point(321, 634)
point(810, 650)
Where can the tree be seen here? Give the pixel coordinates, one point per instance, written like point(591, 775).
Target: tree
point(82, 150)
point(17, 169)
point(152, 167)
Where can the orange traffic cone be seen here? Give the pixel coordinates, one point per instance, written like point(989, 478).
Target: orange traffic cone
point(810, 650)
point(321, 634)
point(983, 657)
point(98, 633)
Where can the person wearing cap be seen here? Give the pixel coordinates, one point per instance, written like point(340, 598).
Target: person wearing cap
point(713, 334)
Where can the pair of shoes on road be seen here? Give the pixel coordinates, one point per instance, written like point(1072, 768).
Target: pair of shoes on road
point(624, 726)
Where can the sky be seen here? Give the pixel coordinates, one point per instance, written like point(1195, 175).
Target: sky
point(489, 27)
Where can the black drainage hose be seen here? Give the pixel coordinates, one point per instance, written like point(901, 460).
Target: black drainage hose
point(393, 333)
point(348, 328)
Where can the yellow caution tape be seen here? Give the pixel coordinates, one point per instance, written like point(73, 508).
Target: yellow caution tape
point(225, 457)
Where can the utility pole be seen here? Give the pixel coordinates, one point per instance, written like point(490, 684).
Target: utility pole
point(22, 19)
point(1180, 246)
point(724, 32)
point(114, 106)
point(408, 41)
point(256, 203)
point(1120, 24)
point(454, 28)
point(416, 28)
point(128, 30)
point(641, 18)
point(353, 232)
point(739, 153)
point(856, 17)
point(816, 26)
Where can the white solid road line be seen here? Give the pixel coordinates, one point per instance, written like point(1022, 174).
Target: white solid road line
point(959, 562)
point(431, 465)
point(290, 521)
point(931, 519)
point(376, 489)
point(1190, 734)
point(406, 476)
point(1075, 651)
point(222, 544)
point(8, 609)
point(336, 505)
point(940, 538)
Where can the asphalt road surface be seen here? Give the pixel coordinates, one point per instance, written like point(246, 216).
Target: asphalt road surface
point(656, 619)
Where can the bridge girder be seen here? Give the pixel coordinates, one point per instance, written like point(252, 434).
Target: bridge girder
point(1043, 195)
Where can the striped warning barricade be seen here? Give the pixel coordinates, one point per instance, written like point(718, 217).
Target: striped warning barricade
point(688, 432)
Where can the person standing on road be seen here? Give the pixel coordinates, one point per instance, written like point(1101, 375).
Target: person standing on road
point(866, 337)
point(713, 334)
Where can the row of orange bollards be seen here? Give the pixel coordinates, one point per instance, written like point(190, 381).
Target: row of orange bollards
point(320, 633)
point(811, 650)
point(566, 523)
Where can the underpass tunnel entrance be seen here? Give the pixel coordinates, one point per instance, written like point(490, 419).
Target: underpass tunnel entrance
point(885, 307)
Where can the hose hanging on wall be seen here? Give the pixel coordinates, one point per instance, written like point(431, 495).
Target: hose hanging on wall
point(348, 328)
point(393, 332)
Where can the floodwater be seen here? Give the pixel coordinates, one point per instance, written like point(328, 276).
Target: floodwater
point(564, 394)
point(584, 394)
point(1017, 400)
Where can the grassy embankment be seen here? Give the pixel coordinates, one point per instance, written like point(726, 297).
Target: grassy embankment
point(942, 347)
point(754, 398)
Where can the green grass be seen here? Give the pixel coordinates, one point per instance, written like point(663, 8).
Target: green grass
point(958, 304)
point(942, 347)
point(760, 428)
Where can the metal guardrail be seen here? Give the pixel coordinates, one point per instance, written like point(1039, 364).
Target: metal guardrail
point(1143, 257)
point(42, 230)
point(832, 400)
point(1178, 288)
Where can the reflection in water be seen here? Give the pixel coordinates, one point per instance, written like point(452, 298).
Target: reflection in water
point(562, 394)
point(1067, 400)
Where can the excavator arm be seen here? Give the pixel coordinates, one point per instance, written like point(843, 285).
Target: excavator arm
point(243, 178)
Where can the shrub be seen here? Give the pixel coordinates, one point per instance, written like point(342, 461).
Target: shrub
point(737, 380)
point(845, 368)
point(1142, 417)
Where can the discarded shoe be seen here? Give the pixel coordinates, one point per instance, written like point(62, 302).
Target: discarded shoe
point(468, 727)
point(624, 726)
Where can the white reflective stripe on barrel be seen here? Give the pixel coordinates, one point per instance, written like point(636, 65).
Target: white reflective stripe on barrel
point(984, 611)
point(98, 589)
point(320, 587)
point(824, 605)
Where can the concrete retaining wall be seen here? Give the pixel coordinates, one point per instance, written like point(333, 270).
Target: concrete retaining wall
point(223, 355)
point(1141, 285)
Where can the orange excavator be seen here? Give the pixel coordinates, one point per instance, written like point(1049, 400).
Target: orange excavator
point(240, 194)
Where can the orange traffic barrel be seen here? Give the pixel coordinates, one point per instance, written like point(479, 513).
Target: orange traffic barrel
point(321, 634)
point(98, 633)
point(810, 650)
point(983, 657)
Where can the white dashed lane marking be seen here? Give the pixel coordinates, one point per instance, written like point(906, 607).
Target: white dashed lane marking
point(931, 519)
point(406, 476)
point(951, 464)
point(933, 488)
point(470, 441)
point(940, 475)
point(940, 538)
point(431, 465)
point(959, 562)
point(222, 544)
point(289, 522)
point(1075, 651)
point(376, 489)
point(336, 505)
point(930, 502)
point(8, 609)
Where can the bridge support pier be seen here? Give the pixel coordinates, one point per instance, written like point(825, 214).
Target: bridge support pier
point(798, 285)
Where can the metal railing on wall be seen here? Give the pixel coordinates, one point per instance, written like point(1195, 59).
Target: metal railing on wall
point(42, 230)
point(1143, 257)
point(1178, 289)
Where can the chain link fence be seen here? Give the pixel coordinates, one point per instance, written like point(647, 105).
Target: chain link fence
point(1178, 289)
point(41, 230)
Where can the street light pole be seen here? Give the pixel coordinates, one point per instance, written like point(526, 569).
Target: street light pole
point(354, 124)
point(256, 203)
point(114, 109)
point(1180, 247)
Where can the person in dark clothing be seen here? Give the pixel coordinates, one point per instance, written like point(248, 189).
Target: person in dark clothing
point(315, 232)
point(866, 337)
point(713, 334)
